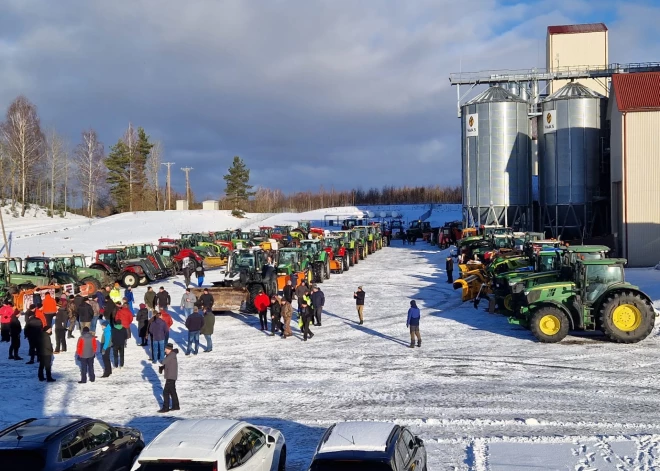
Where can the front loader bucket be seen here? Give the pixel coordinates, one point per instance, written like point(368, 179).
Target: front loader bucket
point(225, 299)
point(335, 265)
point(215, 262)
point(469, 287)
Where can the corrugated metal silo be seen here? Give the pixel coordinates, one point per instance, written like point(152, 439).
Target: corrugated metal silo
point(570, 154)
point(495, 159)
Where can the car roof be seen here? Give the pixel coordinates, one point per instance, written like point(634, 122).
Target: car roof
point(197, 439)
point(358, 436)
point(37, 430)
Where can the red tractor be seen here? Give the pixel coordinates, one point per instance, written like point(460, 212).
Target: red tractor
point(170, 248)
point(128, 272)
point(337, 254)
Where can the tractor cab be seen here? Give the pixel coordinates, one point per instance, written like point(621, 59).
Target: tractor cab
point(266, 232)
point(594, 277)
point(305, 225)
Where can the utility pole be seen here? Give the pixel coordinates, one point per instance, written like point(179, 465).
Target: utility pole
point(4, 236)
point(187, 170)
point(169, 183)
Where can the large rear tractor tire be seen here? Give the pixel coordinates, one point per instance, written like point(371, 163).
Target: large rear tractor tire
point(253, 290)
point(130, 279)
point(351, 257)
point(326, 270)
point(626, 317)
point(549, 325)
point(93, 285)
point(318, 272)
point(345, 265)
point(363, 253)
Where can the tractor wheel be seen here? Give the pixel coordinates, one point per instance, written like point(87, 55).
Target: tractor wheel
point(318, 272)
point(626, 317)
point(144, 281)
point(326, 270)
point(346, 264)
point(549, 324)
point(507, 303)
point(310, 276)
point(253, 290)
point(362, 253)
point(130, 279)
point(93, 285)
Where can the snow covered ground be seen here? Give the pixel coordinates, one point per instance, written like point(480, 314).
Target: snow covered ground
point(481, 393)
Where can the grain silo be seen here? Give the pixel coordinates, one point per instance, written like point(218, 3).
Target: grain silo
point(495, 159)
point(573, 200)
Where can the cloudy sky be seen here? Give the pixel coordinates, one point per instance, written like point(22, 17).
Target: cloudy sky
point(341, 93)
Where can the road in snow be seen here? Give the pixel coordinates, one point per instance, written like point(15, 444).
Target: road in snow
point(481, 393)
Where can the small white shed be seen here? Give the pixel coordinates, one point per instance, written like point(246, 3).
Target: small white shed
point(181, 205)
point(210, 205)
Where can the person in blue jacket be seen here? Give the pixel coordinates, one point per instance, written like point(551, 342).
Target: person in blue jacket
point(413, 322)
point(128, 296)
point(106, 347)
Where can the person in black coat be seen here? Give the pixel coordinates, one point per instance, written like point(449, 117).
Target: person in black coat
point(15, 330)
point(45, 355)
point(110, 310)
point(359, 303)
point(36, 298)
point(142, 319)
point(276, 316)
point(318, 301)
point(449, 267)
point(119, 338)
point(206, 300)
point(307, 317)
point(61, 318)
point(288, 292)
point(163, 299)
point(33, 334)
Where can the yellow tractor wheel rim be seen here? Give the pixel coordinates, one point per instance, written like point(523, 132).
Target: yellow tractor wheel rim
point(508, 302)
point(550, 324)
point(626, 317)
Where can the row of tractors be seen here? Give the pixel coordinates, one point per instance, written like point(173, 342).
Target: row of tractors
point(268, 259)
point(550, 287)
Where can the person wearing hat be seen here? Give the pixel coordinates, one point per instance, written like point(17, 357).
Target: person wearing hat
point(188, 301)
point(199, 273)
point(45, 350)
point(449, 268)
point(307, 316)
point(33, 333)
point(142, 319)
point(119, 338)
point(206, 300)
point(276, 316)
point(170, 370)
point(359, 303)
point(413, 322)
point(85, 314)
point(96, 311)
point(85, 353)
point(318, 301)
point(301, 291)
point(61, 318)
point(261, 303)
point(72, 308)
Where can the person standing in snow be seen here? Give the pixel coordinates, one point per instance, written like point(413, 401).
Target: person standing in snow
point(163, 299)
point(96, 310)
point(6, 313)
point(130, 299)
point(261, 303)
point(170, 367)
point(168, 321)
point(142, 319)
point(150, 301)
point(287, 313)
point(85, 314)
point(86, 351)
point(106, 347)
point(110, 310)
point(100, 300)
point(413, 322)
point(318, 301)
point(61, 318)
point(158, 331)
point(206, 300)
point(15, 335)
point(115, 294)
point(36, 298)
point(33, 333)
point(288, 292)
point(125, 317)
point(194, 324)
point(276, 316)
point(449, 267)
point(119, 338)
point(199, 273)
point(45, 349)
point(71, 309)
point(49, 308)
point(186, 269)
point(207, 329)
point(301, 292)
point(359, 303)
point(307, 317)
point(188, 301)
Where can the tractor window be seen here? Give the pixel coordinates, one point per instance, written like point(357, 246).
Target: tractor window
point(79, 262)
point(35, 267)
point(604, 274)
point(13, 267)
point(245, 260)
point(548, 263)
point(593, 256)
point(108, 258)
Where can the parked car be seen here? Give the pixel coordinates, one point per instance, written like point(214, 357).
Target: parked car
point(214, 445)
point(68, 443)
point(369, 446)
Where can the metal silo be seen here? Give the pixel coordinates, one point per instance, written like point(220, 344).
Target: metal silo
point(495, 159)
point(570, 131)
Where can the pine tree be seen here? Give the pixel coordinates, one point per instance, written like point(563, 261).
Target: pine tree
point(141, 155)
point(238, 190)
point(118, 175)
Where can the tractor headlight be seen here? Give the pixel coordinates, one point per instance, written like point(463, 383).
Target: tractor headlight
point(517, 288)
point(532, 296)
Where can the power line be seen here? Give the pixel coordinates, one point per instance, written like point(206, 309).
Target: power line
point(169, 183)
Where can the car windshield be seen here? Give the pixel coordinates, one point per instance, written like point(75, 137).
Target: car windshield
point(177, 466)
point(338, 465)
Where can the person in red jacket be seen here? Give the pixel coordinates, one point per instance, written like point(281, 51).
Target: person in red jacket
point(49, 308)
point(261, 303)
point(6, 313)
point(168, 320)
point(39, 314)
point(126, 318)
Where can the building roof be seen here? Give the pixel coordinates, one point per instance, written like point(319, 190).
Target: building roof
point(358, 436)
point(573, 90)
point(573, 29)
point(637, 91)
point(191, 439)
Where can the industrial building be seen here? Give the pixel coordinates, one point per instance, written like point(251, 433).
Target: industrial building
point(536, 150)
point(634, 114)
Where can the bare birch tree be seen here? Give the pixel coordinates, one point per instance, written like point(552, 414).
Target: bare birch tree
point(23, 136)
point(56, 157)
point(130, 139)
point(88, 161)
point(153, 168)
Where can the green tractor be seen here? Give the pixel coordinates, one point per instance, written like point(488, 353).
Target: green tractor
point(596, 298)
point(75, 265)
point(319, 258)
point(293, 262)
point(348, 238)
point(361, 238)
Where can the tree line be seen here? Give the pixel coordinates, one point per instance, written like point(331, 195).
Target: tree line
point(38, 166)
